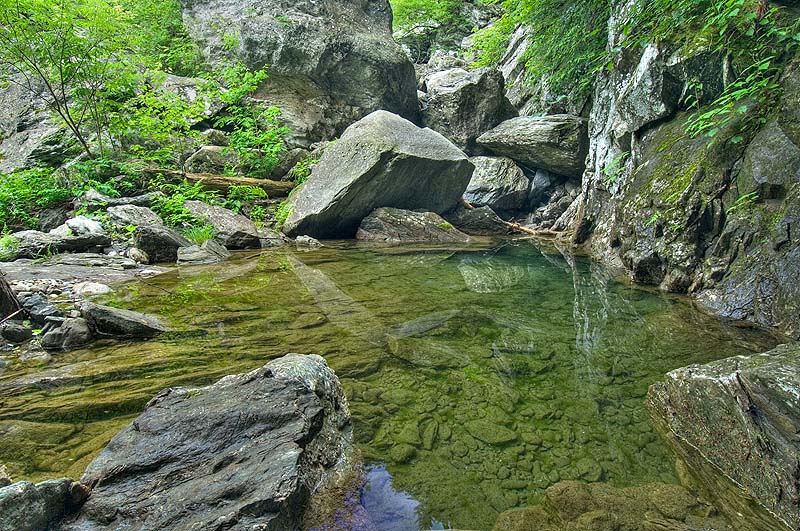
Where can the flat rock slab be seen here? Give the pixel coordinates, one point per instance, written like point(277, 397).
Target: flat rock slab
point(393, 225)
point(76, 268)
point(244, 453)
point(382, 160)
point(114, 322)
point(33, 244)
point(490, 433)
point(735, 423)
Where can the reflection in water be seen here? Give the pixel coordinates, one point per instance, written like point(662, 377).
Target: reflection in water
point(476, 379)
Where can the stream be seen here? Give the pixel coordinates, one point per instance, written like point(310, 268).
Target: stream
point(477, 377)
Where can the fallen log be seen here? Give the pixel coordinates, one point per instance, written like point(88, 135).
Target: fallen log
point(221, 183)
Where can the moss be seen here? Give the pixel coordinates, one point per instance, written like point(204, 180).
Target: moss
point(445, 225)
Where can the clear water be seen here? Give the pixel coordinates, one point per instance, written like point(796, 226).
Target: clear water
point(476, 378)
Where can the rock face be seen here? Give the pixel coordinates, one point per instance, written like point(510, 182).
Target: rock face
point(114, 322)
point(556, 143)
point(244, 453)
point(26, 506)
point(382, 160)
point(734, 422)
point(393, 225)
point(497, 183)
point(330, 63)
point(234, 231)
point(463, 105)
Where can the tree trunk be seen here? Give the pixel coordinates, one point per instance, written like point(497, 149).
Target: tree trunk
point(9, 304)
point(221, 183)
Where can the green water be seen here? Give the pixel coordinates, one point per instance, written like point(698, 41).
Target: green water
point(478, 377)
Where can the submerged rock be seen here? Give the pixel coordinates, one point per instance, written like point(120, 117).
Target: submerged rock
point(244, 453)
point(393, 225)
point(382, 160)
point(497, 183)
point(556, 143)
point(5, 478)
point(734, 422)
point(114, 322)
point(25, 506)
point(210, 252)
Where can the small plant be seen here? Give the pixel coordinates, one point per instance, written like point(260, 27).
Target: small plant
point(258, 214)
point(743, 202)
point(199, 234)
point(302, 170)
point(9, 246)
point(23, 194)
point(614, 169)
point(283, 211)
point(445, 225)
point(238, 196)
point(170, 205)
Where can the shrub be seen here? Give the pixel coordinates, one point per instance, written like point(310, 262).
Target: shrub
point(24, 194)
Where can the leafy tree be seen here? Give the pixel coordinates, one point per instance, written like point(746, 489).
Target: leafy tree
point(71, 53)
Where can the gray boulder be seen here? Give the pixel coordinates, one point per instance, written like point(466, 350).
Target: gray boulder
point(244, 453)
point(397, 226)
point(132, 215)
point(497, 183)
point(25, 506)
point(557, 143)
point(39, 308)
point(541, 187)
point(233, 230)
point(160, 244)
point(93, 200)
point(734, 423)
point(463, 105)
point(481, 221)
point(15, 332)
point(382, 160)
point(33, 244)
point(330, 63)
point(114, 322)
point(211, 159)
point(72, 333)
point(210, 252)
point(81, 226)
point(771, 163)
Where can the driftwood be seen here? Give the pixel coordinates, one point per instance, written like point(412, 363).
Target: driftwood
point(221, 183)
point(9, 304)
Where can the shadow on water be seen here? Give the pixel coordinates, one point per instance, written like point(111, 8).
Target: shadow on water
point(476, 378)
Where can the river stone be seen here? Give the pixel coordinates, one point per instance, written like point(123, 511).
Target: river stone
point(39, 308)
point(132, 215)
point(33, 244)
point(481, 221)
point(490, 433)
point(734, 422)
point(497, 183)
point(244, 453)
point(210, 252)
point(15, 332)
point(557, 143)
point(160, 244)
point(381, 161)
point(234, 231)
point(72, 333)
point(330, 63)
point(463, 105)
point(423, 352)
point(115, 322)
point(393, 225)
point(25, 506)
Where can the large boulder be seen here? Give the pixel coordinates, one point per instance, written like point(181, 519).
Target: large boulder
point(132, 215)
point(463, 105)
point(497, 183)
point(159, 243)
point(734, 422)
point(71, 334)
point(330, 63)
point(233, 230)
point(557, 143)
point(34, 244)
point(244, 453)
point(115, 322)
point(25, 506)
point(211, 159)
point(382, 160)
point(393, 225)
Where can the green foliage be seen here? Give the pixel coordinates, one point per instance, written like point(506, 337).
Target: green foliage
point(9, 246)
point(258, 214)
point(23, 194)
point(198, 234)
point(302, 171)
point(170, 205)
point(238, 196)
point(742, 203)
point(283, 211)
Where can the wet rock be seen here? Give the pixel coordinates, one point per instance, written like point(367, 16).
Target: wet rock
point(81, 226)
point(233, 230)
point(330, 64)
point(114, 322)
point(490, 433)
point(26, 506)
point(462, 105)
point(382, 160)
point(423, 352)
point(481, 221)
point(307, 242)
point(160, 244)
point(211, 159)
point(50, 218)
point(5, 478)
point(484, 276)
point(541, 186)
point(402, 453)
point(72, 333)
point(210, 252)
point(397, 226)
point(88, 289)
point(39, 308)
point(243, 453)
point(15, 332)
point(132, 215)
point(33, 244)
point(497, 183)
point(556, 143)
point(734, 422)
